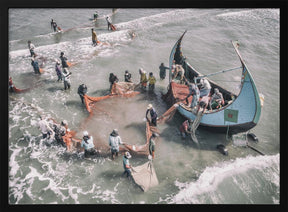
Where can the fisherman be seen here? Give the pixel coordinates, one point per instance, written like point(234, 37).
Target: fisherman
point(127, 76)
point(185, 128)
point(114, 142)
point(162, 71)
point(112, 79)
point(152, 145)
point(217, 99)
point(46, 130)
point(87, 143)
point(58, 71)
point(205, 87)
point(82, 90)
point(109, 22)
point(94, 38)
point(152, 81)
point(143, 78)
point(204, 102)
point(153, 115)
point(126, 165)
point(63, 60)
point(11, 85)
point(31, 48)
point(95, 15)
point(35, 66)
point(66, 78)
point(54, 25)
point(194, 92)
point(60, 131)
point(179, 70)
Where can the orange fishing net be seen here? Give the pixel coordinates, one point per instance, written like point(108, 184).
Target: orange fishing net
point(177, 93)
point(120, 89)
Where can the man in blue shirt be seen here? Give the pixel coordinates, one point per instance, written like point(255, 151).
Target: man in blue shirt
point(87, 143)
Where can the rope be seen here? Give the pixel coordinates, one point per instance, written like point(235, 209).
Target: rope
point(195, 125)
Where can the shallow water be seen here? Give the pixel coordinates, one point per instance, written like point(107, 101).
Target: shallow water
point(40, 173)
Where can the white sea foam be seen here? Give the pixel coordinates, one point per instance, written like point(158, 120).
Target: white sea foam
point(213, 176)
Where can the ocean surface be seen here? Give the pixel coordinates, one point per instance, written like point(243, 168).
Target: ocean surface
point(40, 173)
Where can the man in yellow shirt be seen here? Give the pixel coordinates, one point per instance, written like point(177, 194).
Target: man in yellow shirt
point(152, 81)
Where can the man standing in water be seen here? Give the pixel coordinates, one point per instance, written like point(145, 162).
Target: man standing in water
point(153, 115)
point(126, 165)
point(94, 38)
point(54, 25)
point(63, 60)
point(31, 48)
point(35, 66)
point(82, 90)
point(66, 78)
point(152, 145)
point(46, 130)
point(109, 22)
point(114, 142)
point(87, 143)
point(162, 72)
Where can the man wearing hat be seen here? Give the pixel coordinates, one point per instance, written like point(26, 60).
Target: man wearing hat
point(114, 141)
point(217, 99)
point(153, 115)
point(87, 143)
point(126, 165)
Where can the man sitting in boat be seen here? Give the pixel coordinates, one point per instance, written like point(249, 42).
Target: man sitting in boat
point(194, 91)
point(217, 99)
point(205, 87)
point(179, 70)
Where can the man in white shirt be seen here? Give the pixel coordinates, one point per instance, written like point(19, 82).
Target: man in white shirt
point(46, 130)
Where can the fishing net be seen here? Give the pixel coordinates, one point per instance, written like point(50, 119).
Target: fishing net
point(145, 176)
point(122, 89)
point(168, 114)
point(142, 149)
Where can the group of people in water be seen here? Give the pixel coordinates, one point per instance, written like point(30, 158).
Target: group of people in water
point(59, 131)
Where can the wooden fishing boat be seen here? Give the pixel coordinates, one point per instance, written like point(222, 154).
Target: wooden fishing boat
point(240, 112)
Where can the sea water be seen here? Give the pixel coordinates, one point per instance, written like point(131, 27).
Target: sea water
point(40, 173)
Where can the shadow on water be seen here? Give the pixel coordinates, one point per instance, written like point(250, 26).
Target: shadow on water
point(206, 140)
